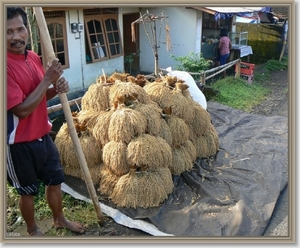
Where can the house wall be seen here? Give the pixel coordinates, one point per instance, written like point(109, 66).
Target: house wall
point(183, 25)
point(81, 75)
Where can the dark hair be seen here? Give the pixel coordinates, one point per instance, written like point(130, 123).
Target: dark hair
point(223, 32)
point(13, 12)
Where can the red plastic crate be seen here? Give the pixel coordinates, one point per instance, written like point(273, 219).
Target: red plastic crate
point(246, 68)
point(248, 78)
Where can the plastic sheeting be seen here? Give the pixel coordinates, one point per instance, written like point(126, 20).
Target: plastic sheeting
point(232, 194)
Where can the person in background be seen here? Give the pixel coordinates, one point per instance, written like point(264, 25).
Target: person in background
point(224, 46)
point(32, 156)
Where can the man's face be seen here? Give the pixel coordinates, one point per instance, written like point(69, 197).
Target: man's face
point(16, 35)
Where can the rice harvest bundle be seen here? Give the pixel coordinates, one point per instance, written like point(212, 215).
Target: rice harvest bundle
point(181, 161)
point(182, 107)
point(91, 151)
point(116, 76)
point(61, 138)
point(132, 91)
point(126, 124)
point(191, 150)
point(96, 98)
point(100, 129)
point(87, 118)
point(147, 151)
point(165, 132)
point(201, 120)
point(114, 157)
point(212, 140)
point(76, 172)
point(152, 114)
point(179, 129)
point(68, 156)
point(143, 189)
point(107, 181)
point(201, 147)
point(159, 93)
point(140, 80)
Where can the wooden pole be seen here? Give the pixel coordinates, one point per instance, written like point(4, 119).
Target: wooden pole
point(45, 38)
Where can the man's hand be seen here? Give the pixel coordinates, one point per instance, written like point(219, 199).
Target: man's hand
point(62, 86)
point(53, 71)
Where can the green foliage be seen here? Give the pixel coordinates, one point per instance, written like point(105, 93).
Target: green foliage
point(276, 65)
point(237, 93)
point(130, 57)
point(193, 62)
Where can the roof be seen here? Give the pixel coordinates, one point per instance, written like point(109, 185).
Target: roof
point(227, 12)
point(281, 12)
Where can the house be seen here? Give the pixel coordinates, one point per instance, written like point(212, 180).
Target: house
point(92, 41)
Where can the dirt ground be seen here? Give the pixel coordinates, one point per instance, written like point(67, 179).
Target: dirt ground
point(276, 104)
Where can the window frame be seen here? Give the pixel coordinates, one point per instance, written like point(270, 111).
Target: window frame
point(62, 21)
point(91, 15)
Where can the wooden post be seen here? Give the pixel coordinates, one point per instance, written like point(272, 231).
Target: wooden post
point(45, 38)
point(238, 72)
point(203, 78)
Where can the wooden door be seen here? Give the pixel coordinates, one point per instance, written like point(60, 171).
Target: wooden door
point(129, 46)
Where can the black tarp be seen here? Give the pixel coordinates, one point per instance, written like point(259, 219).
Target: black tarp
point(232, 194)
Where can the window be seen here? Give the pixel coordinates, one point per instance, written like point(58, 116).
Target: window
point(102, 34)
point(57, 30)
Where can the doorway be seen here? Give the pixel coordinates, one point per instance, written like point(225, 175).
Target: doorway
point(131, 48)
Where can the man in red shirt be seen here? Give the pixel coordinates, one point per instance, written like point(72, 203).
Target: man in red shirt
point(31, 154)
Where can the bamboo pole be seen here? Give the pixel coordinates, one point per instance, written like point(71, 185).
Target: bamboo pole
point(45, 38)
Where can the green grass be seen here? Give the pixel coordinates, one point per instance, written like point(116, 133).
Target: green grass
point(74, 210)
point(238, 93)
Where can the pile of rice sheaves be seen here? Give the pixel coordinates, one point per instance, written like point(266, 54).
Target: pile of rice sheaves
point(135, 135)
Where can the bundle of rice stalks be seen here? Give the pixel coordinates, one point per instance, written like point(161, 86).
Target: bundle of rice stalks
point(152, 114)
point(116, 76)
point(200, 145)
point(143, 189)
point(141, 80)
point(126, 124)
point(107, 181)
point(68, 155)
point(114, 157)
point(191, 150)
point(103, 79)
point(147, 151)
point(165, 132)
point(96, 98)
point(182, 107)
point(201, 120)
point(212, 140)
point(130, 90)
point(87, 118)
point(181, 160)
point(100, 129)
point(207, 144)
point(77, 172)
point(91, 151)
point(159, 93)
point(61, 138)
point(179, 129)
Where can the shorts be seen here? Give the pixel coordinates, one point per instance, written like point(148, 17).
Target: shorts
point(28, 163)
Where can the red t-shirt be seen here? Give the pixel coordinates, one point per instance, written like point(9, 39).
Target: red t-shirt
point(24, 74)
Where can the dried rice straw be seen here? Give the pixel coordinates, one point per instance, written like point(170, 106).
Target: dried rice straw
point(114, 157)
